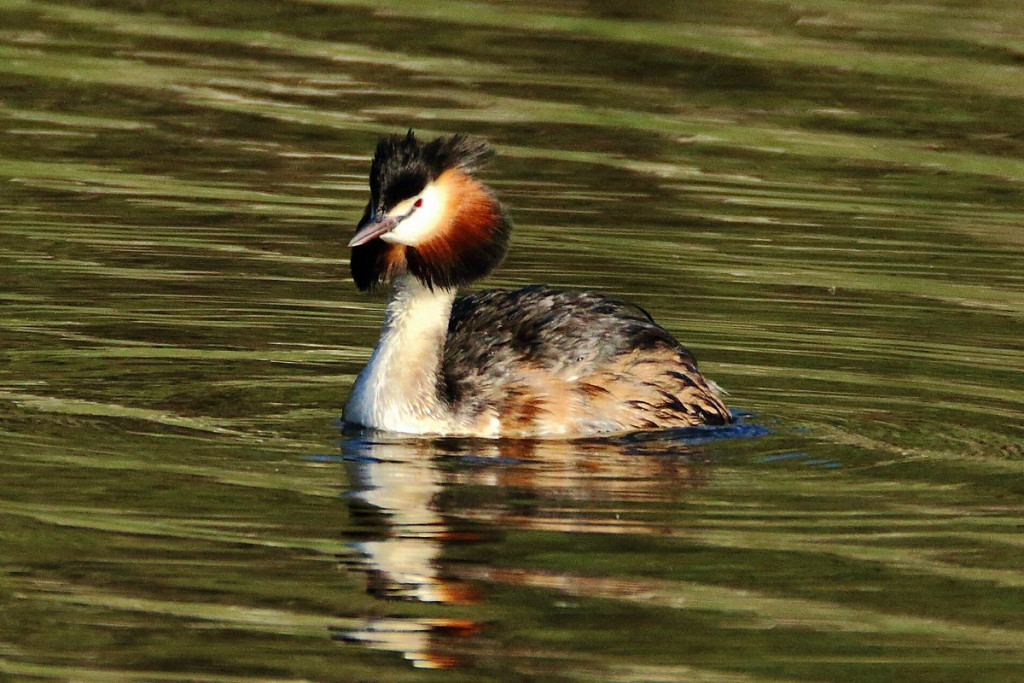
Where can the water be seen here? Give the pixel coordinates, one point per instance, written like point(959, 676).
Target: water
point(824, 201)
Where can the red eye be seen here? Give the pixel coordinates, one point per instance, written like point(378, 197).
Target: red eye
point(418, 203)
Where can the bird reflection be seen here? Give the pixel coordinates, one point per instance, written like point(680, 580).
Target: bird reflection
point(414, 500)
point(401, 556)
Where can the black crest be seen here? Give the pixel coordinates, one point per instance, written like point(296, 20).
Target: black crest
point(402, 166)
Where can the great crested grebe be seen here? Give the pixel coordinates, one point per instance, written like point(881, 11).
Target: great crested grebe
point(534, 362)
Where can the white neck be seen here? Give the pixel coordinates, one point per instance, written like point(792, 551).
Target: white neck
point(397, 390)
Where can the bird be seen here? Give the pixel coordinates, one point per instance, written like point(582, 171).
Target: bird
point(536, 362)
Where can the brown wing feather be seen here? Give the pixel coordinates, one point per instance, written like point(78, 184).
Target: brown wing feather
point(548, 362)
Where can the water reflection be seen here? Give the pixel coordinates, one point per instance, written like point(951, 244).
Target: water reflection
point(426, 643)
point(404, 545)
point(414, 500)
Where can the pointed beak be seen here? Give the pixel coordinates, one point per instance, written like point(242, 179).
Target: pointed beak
point(373, 229)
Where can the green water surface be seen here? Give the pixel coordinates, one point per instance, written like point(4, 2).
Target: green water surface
point(825, 201)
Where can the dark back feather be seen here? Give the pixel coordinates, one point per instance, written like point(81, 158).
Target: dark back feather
point(494, 335)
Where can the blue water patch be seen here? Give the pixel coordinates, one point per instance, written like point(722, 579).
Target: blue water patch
point(701, 434)
point(802, 458)
point(784, 456)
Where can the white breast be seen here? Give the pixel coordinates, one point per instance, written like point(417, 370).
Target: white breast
point(397, 390)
